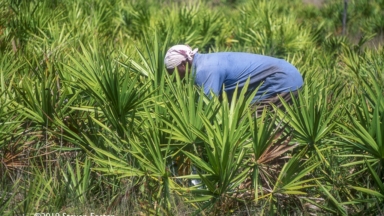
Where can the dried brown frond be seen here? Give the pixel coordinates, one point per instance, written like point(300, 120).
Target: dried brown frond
point(14, 155)
point(278, 147)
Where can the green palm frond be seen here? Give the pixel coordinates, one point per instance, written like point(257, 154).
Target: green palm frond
point(310, 118)
point(185, 103)
point(115, 92)
point(294, 178)
point(224, 137)
point(365, 134)
point(379, 192)
point(268, 144)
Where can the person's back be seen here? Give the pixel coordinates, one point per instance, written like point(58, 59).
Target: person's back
point(214, 70)
point(276, 77)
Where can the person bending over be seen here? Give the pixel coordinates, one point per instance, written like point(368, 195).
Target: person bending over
point(214, 70)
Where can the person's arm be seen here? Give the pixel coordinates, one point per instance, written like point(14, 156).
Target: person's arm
point(211, 82)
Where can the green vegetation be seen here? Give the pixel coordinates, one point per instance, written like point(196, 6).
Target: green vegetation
point(91, 122)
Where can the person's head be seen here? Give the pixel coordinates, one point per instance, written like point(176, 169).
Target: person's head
point(180, 57)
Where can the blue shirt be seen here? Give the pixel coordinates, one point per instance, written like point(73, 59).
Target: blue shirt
point(214, 70)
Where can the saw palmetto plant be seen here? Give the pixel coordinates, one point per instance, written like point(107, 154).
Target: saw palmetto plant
point(91, 122)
